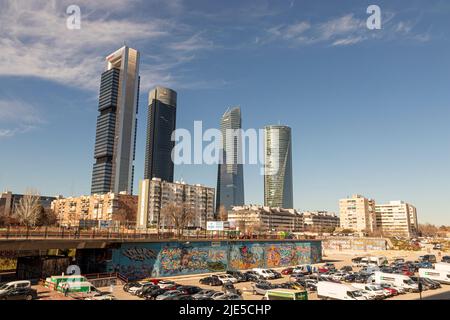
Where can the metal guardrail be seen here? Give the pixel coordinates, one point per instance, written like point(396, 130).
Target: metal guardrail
point(23, 233)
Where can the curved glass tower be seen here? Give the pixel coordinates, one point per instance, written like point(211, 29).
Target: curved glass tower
point(230, 181)
point(278, 189)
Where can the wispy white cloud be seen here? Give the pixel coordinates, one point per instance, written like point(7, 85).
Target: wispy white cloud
point(18, 117)
point(36, 43)
point(342, 31)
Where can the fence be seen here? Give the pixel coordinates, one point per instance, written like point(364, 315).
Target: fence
point(20, 233)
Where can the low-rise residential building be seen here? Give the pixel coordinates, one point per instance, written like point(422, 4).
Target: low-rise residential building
point(259, 219)
point(155, 194)
point(76, 211)
point(397, 218)
point(9, 201)
point(320, 220)
point(358, 214)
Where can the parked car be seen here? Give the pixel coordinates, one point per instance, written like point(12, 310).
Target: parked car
point(264, 273)
point(136, 286)
point(241, 277)
point(429, 258)
point(446, 259)
point(169, 295)
point(211, 281)
point(145, 287)
point(390, 288)
point(217, 295)
point(261, 287)
point(226, 278)
point(189, 289)
point(182, 297)
point(295, 277)
point(287, 271)
point(165, 284)
point(153, 294)
point(252, 276)
point(433, 284)
point(204, 294)
point(329, 266)
point(229, 297)
point(14, 285)
point(277, 274)
point(18, 293)
point(346, 269)
point(228, 287)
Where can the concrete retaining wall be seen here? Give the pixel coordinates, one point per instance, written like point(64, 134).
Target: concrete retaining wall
point(140, 260)
point(355, 244)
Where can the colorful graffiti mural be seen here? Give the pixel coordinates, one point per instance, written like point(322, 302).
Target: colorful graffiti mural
point(246, 256)
point(138, 261)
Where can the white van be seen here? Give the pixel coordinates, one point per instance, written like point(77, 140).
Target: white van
point(264, 273)
point(374, 290)
point(338, 291)
point(441, 276)
point(399, 280)
point(442, 266)
point(14, 285)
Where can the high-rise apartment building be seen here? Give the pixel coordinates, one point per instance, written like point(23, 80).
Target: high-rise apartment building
point(115, 144)
point(397, 218)
point(278, 187)
point(162, 116)
point(155, 194)
point(358, 213)
point(230, 180)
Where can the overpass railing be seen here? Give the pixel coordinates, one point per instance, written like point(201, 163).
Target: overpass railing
point(42, 233)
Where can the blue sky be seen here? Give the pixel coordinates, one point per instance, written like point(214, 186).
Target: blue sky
point(369, 109)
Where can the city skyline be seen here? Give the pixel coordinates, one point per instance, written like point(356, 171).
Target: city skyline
point(364, 121)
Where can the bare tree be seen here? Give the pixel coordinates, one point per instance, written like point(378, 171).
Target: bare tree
point(28, 208)
point(223, 213)
point(178, 216)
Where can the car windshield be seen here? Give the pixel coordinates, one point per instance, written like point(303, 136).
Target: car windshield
point(355, 294)
point(409, 281)
point(4, 286)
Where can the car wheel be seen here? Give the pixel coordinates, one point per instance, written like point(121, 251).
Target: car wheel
point(29, 297)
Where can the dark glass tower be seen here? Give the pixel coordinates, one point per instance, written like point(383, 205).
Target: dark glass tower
point(115, 141)
point(230, 181)
point(162, 117)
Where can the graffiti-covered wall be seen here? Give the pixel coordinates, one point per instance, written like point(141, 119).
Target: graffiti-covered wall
point(141, 260)
point(355, 244)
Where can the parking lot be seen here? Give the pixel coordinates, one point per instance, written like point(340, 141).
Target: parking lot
point(338, 259)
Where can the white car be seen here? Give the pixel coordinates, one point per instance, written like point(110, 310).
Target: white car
point(165, 284)
point(229, 296)
point(224, 278)
point(135, 287)
point(264, 273)
point(375, 291)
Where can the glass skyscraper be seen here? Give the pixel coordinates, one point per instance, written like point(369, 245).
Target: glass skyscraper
point(230, 181)
point(115, 144)
point(278, 189)
point(162, 118)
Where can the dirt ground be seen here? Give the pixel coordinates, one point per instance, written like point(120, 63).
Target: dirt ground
point(340, 259)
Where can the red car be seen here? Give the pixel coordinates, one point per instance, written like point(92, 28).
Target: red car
point(323, 270)
point(388, 288)
point(287, 271)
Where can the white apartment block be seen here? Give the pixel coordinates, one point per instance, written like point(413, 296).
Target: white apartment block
point(72, 211)
point(397, 218)
point(358, 213)
point(155, 194)
point(264, 219)
point(320, 220)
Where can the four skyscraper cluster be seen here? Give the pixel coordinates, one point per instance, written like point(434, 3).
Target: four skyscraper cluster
point(115, 146)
